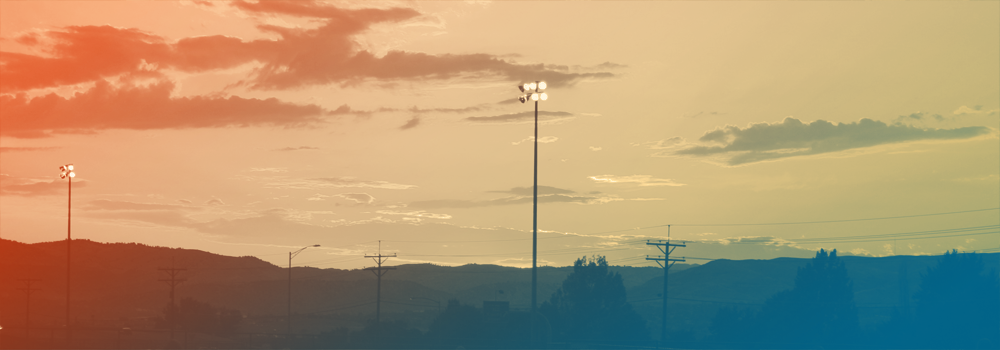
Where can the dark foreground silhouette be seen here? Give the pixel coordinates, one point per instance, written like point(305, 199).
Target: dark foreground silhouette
point(829, 301)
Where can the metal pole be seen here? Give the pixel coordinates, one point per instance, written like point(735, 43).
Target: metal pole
point(289, 333)
point(534, 235)
point(663, 330)
point(69, 238)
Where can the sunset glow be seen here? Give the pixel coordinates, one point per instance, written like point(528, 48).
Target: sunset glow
point(756, 130)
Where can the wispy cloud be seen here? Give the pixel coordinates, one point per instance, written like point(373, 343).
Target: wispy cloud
point(528, 191)
point(520, 195)
point(964, 110)
point(543, 139)
point(416, 214)
point(333, 182)
point(269, 170)
point(523, 117)
point(104, 204)
point(793, 138)
point(31, 187)
point(413, 122)
point(641, 180)
point(215, 202)
point(25, 149)
point(300, 148)
point(361, 198)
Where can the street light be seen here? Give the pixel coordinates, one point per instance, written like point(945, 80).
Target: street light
point(67, 173)
point(290, 256)
point(533, 91)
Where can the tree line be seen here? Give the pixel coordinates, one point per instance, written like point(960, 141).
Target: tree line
point(956, 307)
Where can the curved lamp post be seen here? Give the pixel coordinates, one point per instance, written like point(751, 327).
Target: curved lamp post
point(290, 256)
point(67, 173)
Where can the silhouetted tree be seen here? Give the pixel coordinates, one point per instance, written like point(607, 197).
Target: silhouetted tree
point(958, 305)
point(591, 307)
point(819, 310)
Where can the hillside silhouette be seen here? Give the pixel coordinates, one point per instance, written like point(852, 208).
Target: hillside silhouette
point(117, 284)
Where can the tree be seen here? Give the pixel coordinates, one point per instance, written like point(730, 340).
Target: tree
point(591, 307)
point(958, 305)
point(819, 310)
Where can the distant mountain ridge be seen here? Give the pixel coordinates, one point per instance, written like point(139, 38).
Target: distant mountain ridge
point(121, 280)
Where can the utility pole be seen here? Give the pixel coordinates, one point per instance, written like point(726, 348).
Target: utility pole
point(379, 272)
point(665, 262)
point(27, 302)
point(172, 282)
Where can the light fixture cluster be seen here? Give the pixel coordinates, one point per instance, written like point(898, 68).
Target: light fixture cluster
point(67, 170)
point(533, 91)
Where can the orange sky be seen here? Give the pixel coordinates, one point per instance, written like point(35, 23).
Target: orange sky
point(256, 128)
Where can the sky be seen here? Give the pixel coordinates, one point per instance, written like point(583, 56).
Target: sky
point(755, 130)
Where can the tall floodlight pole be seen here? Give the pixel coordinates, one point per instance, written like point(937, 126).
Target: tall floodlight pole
point(67, 173)
point(533, 91)
point(290, 256)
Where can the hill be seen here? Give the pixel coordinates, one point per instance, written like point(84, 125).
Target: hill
point(116, 283)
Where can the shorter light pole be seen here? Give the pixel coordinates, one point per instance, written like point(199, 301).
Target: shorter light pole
point(290, 256)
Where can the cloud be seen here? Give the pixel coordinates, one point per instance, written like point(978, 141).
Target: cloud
point(642, 180)
point(25, 149)
point(411, 123)
point(30, 188)
point(103, 204)
point(362, 198)
point(701, 114)
point(297, 57)
point(522, 117)
point(269, 170)
point(671, 143)
point(416, 214)
point(552, 198)
point(919, 116)
point(792, 138)
point(418, 110)
point(595, 149)
point(528, 191)
point(144, 108)
point(520, 195)
point(353, 182)
point(963, 110)
point(300, 148)
point(214, 201)
point(543, 139)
